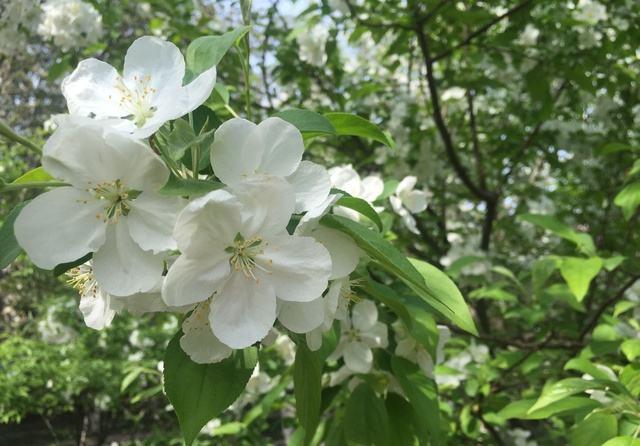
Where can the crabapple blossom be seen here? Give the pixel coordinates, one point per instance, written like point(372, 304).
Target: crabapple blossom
point(312, 41)
point(409, 348)
point(348, 180)
point(360, 334)
point(407, 201)
point(70, 23)
point(243, 150)
point(110, 208)
point(590, 12)
point(236, 252)
point(147, 94)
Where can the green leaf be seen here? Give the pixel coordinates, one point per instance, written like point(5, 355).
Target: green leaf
point(390, 298)
point(631, 349)
point(188, 187)
point(562, 389)
point(307, 121)
point(9, 248)
point(585, 366)
point(614, 147)
point(628, 199)
point(613, 262)
point(362, 207)
point(570, 405)
point(307, 379)
point(429, 283)
point(347, 124)
point(625, 440)
point(579, 272)
point(584, 241)
point(401, 426)
point(423, 396)
point(182, 137)
point(206, 52)
point(493, 292)
point(199, 392)
point(439, 284)
point(64, 267)
point(595, 430)
point(33, 176)
point(365, 420)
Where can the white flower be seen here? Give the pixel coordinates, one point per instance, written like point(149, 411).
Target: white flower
point(339, 5)
point(70, 23)
point(53, 331)
point(529, 35)
point(520, 437)
point(347, 179)
point(242, 151)
point(237, 247)
point(407, 347)
point(453, 94)
point(316, 317)
point(16, 17)
point(198, 341)
point(406, 201)
point(312, 41)
point(590, 12)
point(148, 94)
point(98, 307)
point(111, 208)
point(361, 333)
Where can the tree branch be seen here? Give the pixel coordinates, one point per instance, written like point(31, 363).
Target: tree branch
point(603, 307)
point(371, 23)
point(475, 142)
point(441, 125)
point(484, 28)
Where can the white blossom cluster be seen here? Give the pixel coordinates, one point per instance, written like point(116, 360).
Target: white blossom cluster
point(225, 257)
point(70, 23)
point(16, 18)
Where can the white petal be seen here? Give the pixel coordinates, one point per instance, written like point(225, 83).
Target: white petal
point(91, 90)
point(376, 337)
point(314, 339)
point(396, 204)
point(60, 226)
point(96, 310)
point(199, 90)
point(311, 185)
point(425, 362)
point(152, 219)
point(157, 58)
point(345, 254)
point(283, 147)
point(192, 280)
point(199, 342)
point(121, 267)
point(358, 357)
point(415, 201)
point(84, 152)
point(311, 219)
point(410, 222)
point(406, 185)
point(372, 188)
point(209, 223)
point(243, 312)
point(346, 179)
point(298, 267)
point(364, 315)
point(268, 205)
point(301, 317)
point(236, 151)
point(142, 303)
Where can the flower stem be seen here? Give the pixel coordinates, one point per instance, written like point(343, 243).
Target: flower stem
point(8, 133)
point(244, 51)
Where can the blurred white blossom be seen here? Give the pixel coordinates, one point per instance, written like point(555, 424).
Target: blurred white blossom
point(70, 23)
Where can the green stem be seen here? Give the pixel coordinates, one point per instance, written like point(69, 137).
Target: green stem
point(8, 133)
point(31, 185)
point(195, 153)
point(244, 53)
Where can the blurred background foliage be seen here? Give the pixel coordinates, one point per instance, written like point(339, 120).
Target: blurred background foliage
point(501, 109)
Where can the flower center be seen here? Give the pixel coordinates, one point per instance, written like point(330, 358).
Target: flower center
point(82, 279)
point(137, 99)
point(117, 199)
point(243, 253)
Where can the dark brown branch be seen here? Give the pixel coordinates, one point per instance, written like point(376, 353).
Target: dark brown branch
point(475, 142)
point(606, 304)
point(431, 14)
point(441, 125)
point(480, 31)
